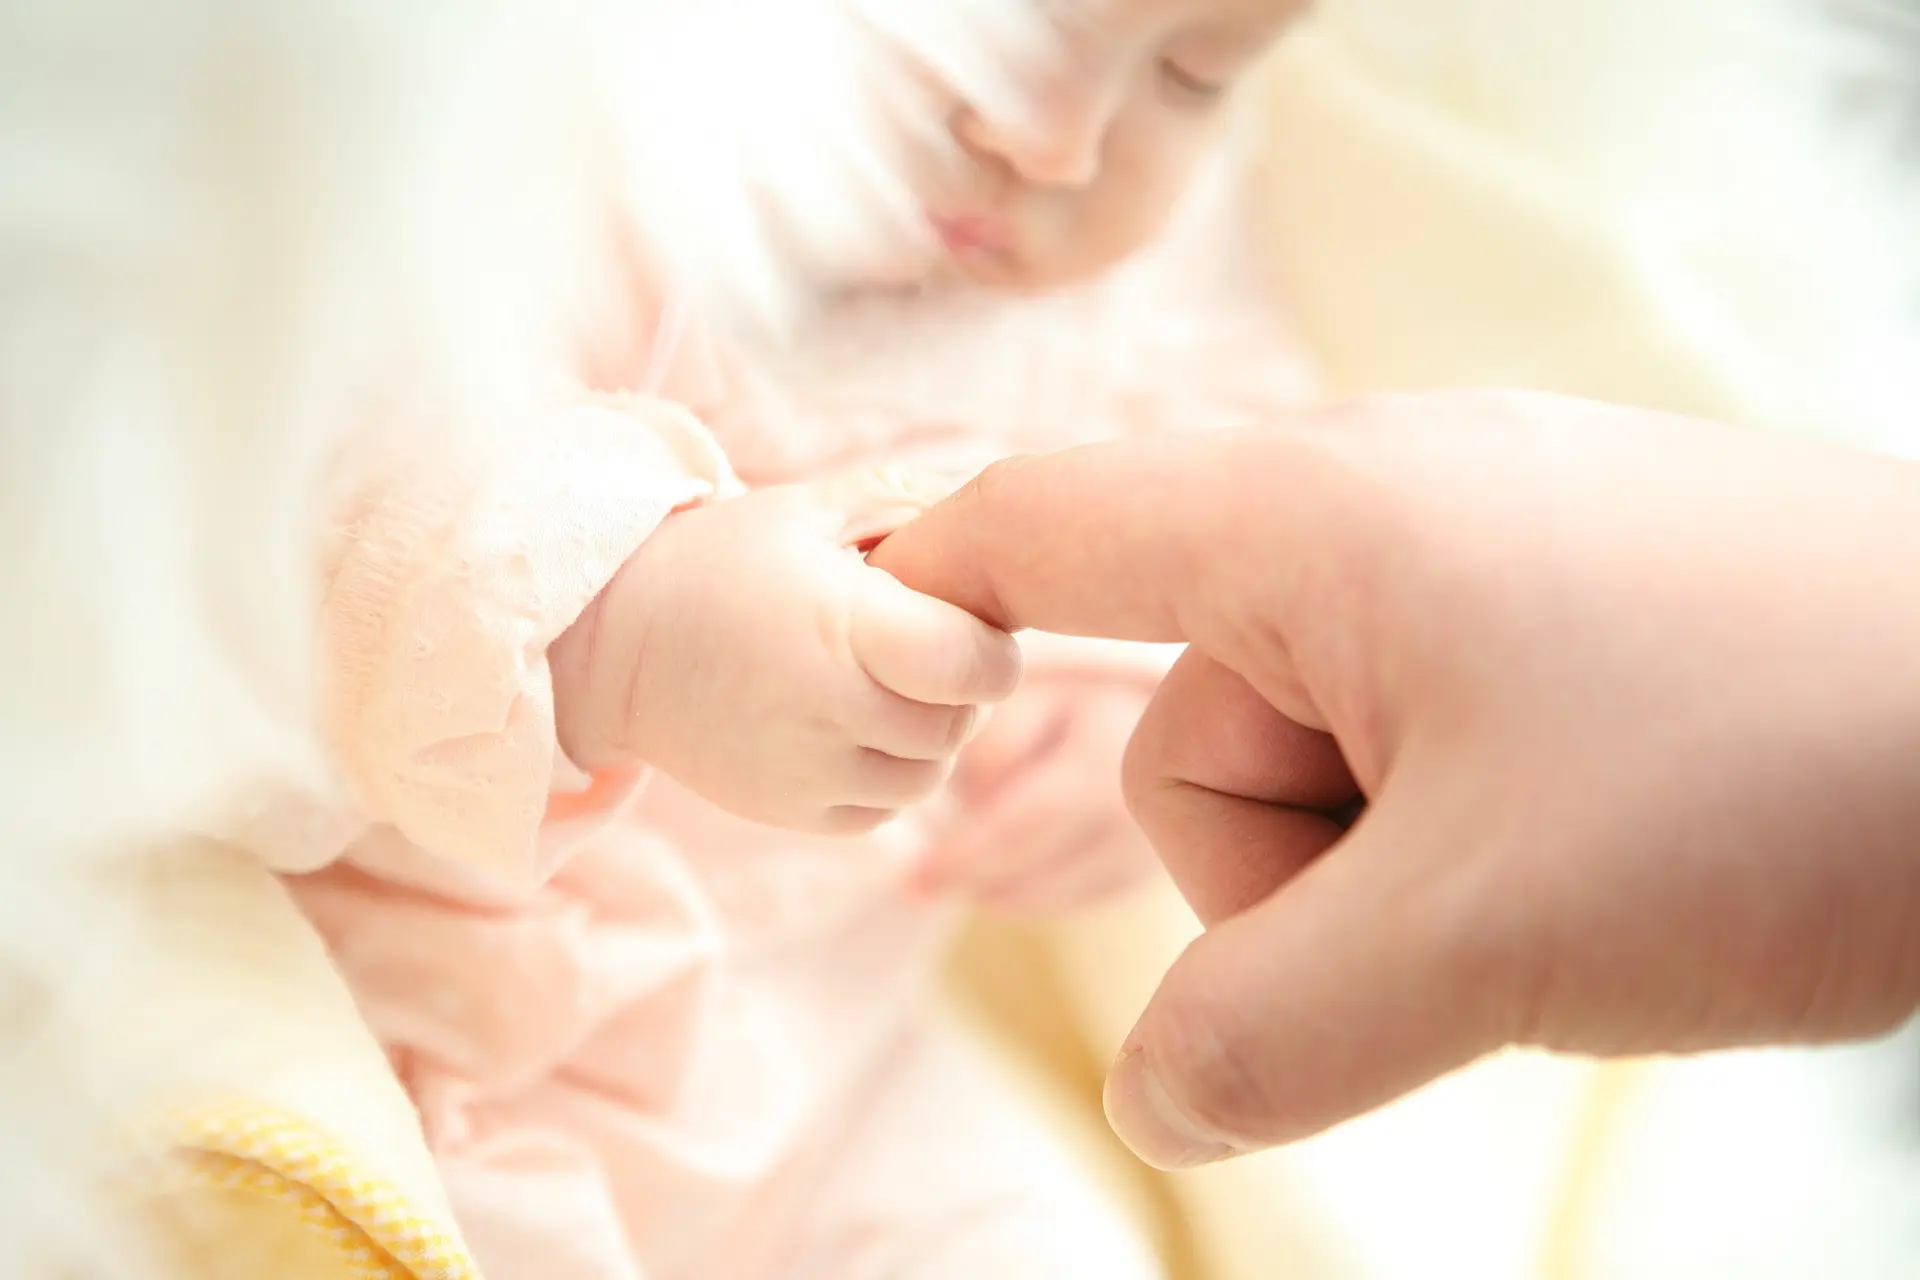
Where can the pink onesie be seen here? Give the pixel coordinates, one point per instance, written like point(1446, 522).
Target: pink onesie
point(649, 1039)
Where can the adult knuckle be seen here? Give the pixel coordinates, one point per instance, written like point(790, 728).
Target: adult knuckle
point(1145, 786)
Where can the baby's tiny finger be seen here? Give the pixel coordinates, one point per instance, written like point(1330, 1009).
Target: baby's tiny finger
point(853, 820)
point(927, 650)
point(886, 722)
point(882, 781)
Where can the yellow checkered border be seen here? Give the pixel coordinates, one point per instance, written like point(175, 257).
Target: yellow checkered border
point(281, 1158)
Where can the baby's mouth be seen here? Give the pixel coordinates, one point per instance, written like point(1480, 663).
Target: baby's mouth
point(973, 235)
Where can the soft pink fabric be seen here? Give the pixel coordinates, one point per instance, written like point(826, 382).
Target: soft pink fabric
point(446, 579)
point(692, 1048)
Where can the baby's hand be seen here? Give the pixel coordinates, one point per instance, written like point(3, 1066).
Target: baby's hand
point(1045, 827)
point(749, 653)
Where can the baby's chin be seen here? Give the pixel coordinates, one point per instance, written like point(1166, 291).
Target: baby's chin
point(921, 266)
point(1024, 276)
point(929, 279)
point(913, 267)
point(948, 279)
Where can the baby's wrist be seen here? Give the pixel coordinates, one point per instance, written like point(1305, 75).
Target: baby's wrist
point(585, 733)
point(595, 662)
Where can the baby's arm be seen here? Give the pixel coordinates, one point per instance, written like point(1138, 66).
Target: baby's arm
point(450, 575)
point(570, 600)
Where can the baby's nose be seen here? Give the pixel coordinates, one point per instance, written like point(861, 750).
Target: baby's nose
point(1051, 149)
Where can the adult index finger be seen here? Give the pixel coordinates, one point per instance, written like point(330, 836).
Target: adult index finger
point(1103, 540)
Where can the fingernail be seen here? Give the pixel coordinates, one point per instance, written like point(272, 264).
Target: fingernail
point(1148, 1120)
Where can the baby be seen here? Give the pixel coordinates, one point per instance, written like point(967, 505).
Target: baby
point(653, 848)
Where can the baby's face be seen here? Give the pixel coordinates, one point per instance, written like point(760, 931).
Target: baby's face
point(1083, 152)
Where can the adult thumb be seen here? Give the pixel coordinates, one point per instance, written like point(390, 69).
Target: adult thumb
point(1356, 981)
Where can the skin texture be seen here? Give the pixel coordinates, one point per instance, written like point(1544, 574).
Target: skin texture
point(1626, 707)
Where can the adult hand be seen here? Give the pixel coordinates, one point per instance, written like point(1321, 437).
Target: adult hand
point(1633, 703)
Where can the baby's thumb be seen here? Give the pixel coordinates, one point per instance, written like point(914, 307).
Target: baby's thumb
point(1350, 985)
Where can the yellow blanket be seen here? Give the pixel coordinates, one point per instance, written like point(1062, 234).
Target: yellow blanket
point(273, 1138)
